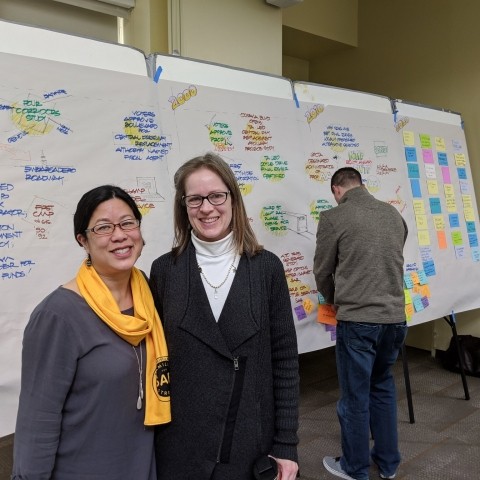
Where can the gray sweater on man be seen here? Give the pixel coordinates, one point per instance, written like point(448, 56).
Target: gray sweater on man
point(358, 263)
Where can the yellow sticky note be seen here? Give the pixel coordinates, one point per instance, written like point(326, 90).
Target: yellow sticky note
point(469, 214)
point(451, 205)
point(442, 239)
point(308, 305)
point(432, 186)
point(423, 238)
point(409, 311)
point(439, 222)
point(467, 201)
point(421, 222)
point(460, 159)
point(448, 189)
point(440, 144)
point(419, 207)
point(408, 297)
point(408, 138)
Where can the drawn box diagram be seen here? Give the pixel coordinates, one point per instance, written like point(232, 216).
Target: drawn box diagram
point(296, 221)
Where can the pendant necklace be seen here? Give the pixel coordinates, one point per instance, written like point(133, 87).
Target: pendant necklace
point(140, 372)
point(216, 287)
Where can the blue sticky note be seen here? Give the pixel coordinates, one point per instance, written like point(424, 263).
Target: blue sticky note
point(411, 154)
point(429, 268)
point(415, 184)
point(454, 220)
point(442, 159)
point(408, 280)
point(476, 254)
point(462, 173)
point(435, 206)
point(473, 239)
point(413, 170)
point(417, 303)
point(471, 227)
point(422, 277)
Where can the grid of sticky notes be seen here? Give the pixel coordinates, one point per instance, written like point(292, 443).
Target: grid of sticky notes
point(434, 197)
point(417, 292)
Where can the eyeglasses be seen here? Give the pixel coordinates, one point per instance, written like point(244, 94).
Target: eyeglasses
point(109, 228)
point(215, 198)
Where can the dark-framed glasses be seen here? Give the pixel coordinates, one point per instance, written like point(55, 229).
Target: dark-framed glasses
point(109, 228)
point(214, 198)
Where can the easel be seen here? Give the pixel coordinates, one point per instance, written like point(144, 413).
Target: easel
point(450, 319)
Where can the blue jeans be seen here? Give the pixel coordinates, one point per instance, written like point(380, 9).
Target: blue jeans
point(365, 353)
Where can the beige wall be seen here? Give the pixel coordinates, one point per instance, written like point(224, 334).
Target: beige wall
point(61, 18)
point(245, 34)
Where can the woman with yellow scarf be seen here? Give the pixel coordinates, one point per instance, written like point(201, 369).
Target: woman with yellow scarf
point(95, 374)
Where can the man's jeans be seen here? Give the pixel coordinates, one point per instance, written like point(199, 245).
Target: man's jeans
point(365, 352)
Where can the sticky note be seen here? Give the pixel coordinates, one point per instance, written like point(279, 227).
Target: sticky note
point(471, 227)
point(435, 206)
point(453, 220)
point(446, 175)
point(300, 312)
point(422, 277)
point(430, 170)
point(457, 237)
point(408, 297)
point(423, 237)
point(460, 159)
point(459, 251)
point(448, 189)
point(467, 201)
point(442, 239)
point(421, 221)
point(425, 141)
point(415, 185)
point(432, 187)
point(427, 155)
point(464, 186)
point(417, 303)
point(410, 154)
point(440, 144)
point(418, 207)
point(408, 138)
point(462, 173)
point(413, 170)
point(439, 222)
point(409, 311)
point(408, 280)
point(476, 254)
point(307, 305)
point(429, 268)
point(472, 239)
point(442, 159)
point(451, 204)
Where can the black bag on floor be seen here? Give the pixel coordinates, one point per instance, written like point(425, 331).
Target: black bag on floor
point(469, 352)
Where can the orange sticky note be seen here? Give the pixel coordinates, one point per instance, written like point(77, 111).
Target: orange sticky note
point(441, 239)
point(326, 314)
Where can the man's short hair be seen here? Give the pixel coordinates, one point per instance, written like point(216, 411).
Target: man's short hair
point(346, 177)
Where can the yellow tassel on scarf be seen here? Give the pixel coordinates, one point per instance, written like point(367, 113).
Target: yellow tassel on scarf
point(145, 324)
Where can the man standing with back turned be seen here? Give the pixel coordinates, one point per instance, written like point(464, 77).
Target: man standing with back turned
point(358, 268)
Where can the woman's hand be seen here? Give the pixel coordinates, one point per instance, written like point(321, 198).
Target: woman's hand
point(287, 470)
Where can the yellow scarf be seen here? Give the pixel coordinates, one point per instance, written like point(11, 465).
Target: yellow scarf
point(144, 324)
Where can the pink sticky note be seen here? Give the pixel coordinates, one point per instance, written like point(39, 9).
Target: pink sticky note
point(427, 156)
point(446, 175)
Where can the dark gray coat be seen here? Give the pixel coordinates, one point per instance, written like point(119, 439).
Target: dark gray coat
point(234, 384)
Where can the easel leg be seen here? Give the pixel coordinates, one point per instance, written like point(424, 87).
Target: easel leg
point(407, 384)
point(451, 321)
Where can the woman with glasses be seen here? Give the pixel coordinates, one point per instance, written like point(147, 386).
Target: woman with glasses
point(225, 307)
point(94, 361)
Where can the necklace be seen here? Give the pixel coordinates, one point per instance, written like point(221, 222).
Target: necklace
point(140, 372)
point(216, 287)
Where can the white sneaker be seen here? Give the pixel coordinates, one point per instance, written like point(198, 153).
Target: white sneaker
point(332, 464)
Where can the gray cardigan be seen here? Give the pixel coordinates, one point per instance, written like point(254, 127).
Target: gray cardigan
point(234, 384)
point(358, 263)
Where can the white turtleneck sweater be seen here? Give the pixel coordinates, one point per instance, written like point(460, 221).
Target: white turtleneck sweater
point(216, 260)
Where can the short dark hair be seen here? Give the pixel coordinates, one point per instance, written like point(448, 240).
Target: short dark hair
point(92, 199)
point(345, 177)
